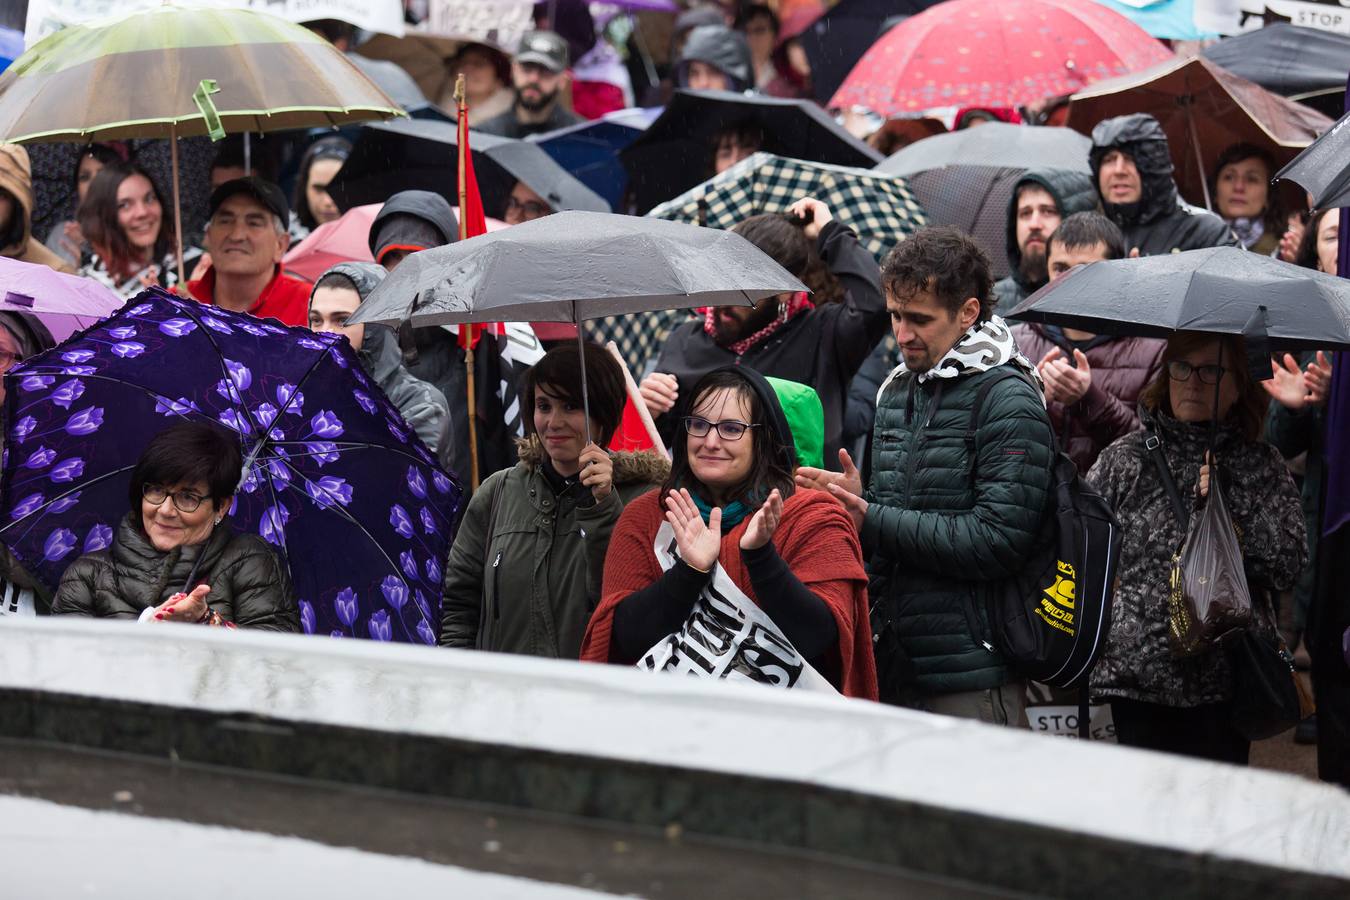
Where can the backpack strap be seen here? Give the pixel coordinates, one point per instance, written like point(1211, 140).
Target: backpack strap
point(1153, 444)
point(980, 394)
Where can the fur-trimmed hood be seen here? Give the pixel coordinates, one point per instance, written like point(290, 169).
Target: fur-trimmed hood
point(641, 467)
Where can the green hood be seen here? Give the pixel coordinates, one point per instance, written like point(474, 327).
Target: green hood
point(805, 418)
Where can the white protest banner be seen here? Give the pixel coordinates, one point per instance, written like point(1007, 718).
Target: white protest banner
point(385, 16)
point(499, 22)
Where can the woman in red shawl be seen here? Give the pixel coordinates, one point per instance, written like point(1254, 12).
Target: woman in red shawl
point(730, 570)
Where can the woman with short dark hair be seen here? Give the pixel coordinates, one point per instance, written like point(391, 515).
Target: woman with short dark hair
point(524, 572)
point(748, 542)
point(1244, 197)
point(174, 558)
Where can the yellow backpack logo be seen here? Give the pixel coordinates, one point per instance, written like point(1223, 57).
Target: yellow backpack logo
point(1058, 603)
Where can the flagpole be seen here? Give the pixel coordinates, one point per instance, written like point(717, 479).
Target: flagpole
point(462, 123)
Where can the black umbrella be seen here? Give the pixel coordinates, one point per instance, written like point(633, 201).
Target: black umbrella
point(420, 154)
point(1304, 64)
point(573, 266)
point(1323, 168)
point(676, 152)
point(838, 39)
point(1222, 290)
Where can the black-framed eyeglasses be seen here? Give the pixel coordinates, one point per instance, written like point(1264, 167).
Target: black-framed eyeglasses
point(185, 501)
point(1180, 370)
point(727, 429)
point(8, 359)
point(531, 209)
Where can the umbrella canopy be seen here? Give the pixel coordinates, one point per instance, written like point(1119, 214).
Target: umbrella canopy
point(676, 152)
point(531, 272)
point(76, 84)
point(590, 150)
point(335, 480)
point(1324, 168)
point(996, 144)
point(837, 40)
point(64, 303)
point(880, 209)
point(421, 153)
point(1298, 63)
point(1005, 54)
point(1222, 290)
point(1172, 20)
point(1203, 108)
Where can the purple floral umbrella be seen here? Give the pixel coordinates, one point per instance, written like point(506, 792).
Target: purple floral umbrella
point(333, 478)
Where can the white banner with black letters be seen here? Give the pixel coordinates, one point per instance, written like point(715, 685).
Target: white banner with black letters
point(728, 636)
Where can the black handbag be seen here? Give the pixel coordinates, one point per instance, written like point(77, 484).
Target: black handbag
point(1268, 696)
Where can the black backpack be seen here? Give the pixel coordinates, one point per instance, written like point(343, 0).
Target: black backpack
point(1051, 619)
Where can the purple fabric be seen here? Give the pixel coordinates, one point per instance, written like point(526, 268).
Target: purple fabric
point(1336, 509)
point(64, 303)
point(339, 484)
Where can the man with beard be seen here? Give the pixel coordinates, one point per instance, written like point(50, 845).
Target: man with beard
point(786, 336)
point(1039, 202)
point(539, 73)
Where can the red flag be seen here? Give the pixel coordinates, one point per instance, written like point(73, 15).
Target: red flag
point(472, 220)
point(632, 434)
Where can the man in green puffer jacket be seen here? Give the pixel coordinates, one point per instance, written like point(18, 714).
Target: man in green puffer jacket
point(953, 507)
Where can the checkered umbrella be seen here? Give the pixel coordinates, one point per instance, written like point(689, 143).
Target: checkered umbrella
point(880, 208)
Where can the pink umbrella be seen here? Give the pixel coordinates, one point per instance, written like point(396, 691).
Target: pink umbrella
point(64, 303)
point(346, 239)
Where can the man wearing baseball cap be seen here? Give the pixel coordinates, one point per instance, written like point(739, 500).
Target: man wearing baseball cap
point(539, 73)
point(246, 236)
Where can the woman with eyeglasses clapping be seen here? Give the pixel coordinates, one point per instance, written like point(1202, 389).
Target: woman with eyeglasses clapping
point(175, 557)
point(730, 571)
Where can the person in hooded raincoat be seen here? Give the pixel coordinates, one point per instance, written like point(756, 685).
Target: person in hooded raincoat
point(1133, 171)
point(715, 58)
point(335, 298)
point(16, 212)
point(1039, 202)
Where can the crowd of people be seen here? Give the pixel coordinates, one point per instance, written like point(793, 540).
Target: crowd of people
point(850, 477)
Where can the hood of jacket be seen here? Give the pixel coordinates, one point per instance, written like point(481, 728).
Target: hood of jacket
point(379, 352)
point(641, 467)
point(722, 48)
point(1074, 192)
point(427, 206)
point(1141, 137)
point(16, 177)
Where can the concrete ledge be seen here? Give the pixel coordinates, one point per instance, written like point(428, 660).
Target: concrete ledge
point(845, 778)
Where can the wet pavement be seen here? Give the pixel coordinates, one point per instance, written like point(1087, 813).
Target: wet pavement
point(106, 825)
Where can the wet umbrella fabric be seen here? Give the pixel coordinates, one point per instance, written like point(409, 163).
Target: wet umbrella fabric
point(838, 39)
point(63, 303)
point(590, 150)
point(1304, 64)
point(1010, 53)
point(335, 480)
point(530, 273)
point(879, 208)
point(1203, 108)
point(676, 152)
point(996, 144)
point(420, 154)
point(1323, 169)
point(1222, 290)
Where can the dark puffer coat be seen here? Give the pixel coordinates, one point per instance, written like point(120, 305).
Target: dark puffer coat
point(1074, 192)
point(1137, 663)
point(950, 519)
point(249, 585)
point(1121, 368)
point(1160, 221)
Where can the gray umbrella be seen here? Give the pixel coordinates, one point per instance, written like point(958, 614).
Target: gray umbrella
point(572, 266)
point(1223, 290)
point(1322, 167)
point(996, 145)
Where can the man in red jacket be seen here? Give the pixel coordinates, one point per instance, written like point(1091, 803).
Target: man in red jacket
point(246, 237)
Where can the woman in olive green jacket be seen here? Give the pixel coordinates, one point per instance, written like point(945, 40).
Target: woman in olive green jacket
point(524, 572)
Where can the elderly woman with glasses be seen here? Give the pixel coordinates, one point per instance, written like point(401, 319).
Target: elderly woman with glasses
point(1161, 701)
point(175, 556)
point(766, 578)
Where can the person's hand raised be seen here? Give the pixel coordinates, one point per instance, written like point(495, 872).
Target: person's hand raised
point(820, 479)
point(597, 471)
point(764, 522)
point(1068, 383)
point(660, 392)
point(816, 214)
point(1287, 384)
point(190, 608)
point(699, 544)
point(1318, 378)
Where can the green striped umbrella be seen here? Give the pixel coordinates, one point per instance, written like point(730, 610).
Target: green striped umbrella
point(136, 75)
point(181, 70)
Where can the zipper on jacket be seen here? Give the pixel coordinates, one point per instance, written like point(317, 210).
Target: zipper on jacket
point(916, 442)
point(496, 598)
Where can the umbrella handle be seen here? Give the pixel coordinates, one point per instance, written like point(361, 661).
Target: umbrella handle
point(581, 358)
point(177, 210)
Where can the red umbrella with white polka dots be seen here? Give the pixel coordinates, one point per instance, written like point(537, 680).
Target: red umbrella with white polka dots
point(978, 53)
